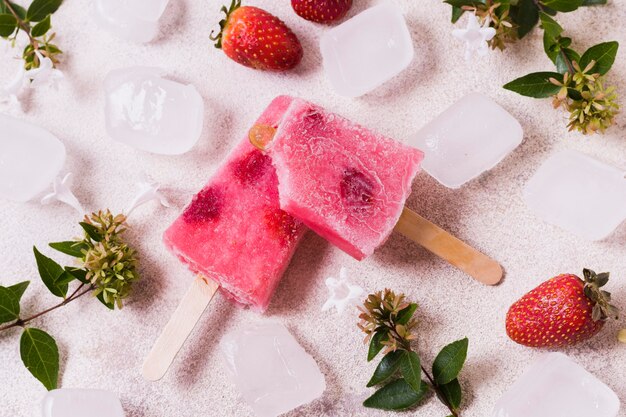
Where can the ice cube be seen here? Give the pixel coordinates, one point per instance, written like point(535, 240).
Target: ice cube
point(136, 20)
point(468, 138)
point(555, 386)
point(367, 50)
point(81, 402)
point(151, 113)
point(271, 370)
point(30, 159)
point(579, 194)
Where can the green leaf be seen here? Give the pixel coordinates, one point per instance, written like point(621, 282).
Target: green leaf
point(452, 393)
point(41, 28)
point(9, 305)
point(405, 315)
point(71, 248)
point(8, 24)
point(449, 361)
point(457, 12)
point(461, 3)
point(386, 368)
point(92, 231)
point(65, 278)
point(562, 5)
point(550, 26)
point(18, 289)
point(535, 85)
point(593, 2)
point(110, 305)
point(561, 62)
point(39, 9)
point(411, 370)
point(40, 355)
point(397, 395)
point(375, 344)
point(526, 16)
point(604, 55)
point(79, 274)
point(19, 10)
point(50, 273)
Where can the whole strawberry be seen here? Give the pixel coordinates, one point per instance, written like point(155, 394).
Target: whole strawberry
point(257, 39)
point(562, 311)
point(321, 11)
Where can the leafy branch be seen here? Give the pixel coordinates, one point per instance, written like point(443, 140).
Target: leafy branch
point(577, 85)
point(108, 270)
point(388, 321)
point(35, 22)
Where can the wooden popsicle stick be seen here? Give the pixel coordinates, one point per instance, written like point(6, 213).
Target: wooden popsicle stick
point(178, 328)
point(476, 264)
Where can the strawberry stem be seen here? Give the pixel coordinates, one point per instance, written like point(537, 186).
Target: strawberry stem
point(218, 38)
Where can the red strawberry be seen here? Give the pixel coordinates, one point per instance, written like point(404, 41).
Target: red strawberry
point(255, 38)
point(562, 311)
point(321, 11)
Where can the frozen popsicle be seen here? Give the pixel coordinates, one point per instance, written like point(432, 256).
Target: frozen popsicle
point(234, 234)
point(349, 185)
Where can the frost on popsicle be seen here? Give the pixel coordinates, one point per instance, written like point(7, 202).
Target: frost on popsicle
point(31, 160)
point(345, 182)
point(151, 113)
point(234, 231)
point(274, 374)
point(136, 20)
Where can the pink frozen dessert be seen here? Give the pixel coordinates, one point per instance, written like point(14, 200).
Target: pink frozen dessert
point(233, 231)
point(346, 183)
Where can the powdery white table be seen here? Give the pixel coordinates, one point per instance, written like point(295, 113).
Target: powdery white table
point(105, 350)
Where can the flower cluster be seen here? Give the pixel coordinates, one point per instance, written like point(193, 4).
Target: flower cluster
point(592, 106)
point(390, 315)
point(110, 263)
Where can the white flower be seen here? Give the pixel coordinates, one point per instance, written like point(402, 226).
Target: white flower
point(342, 293)
point(9, 94)
point(46, 74)
point(148, 191)
point(475, 37)
point(63, 193)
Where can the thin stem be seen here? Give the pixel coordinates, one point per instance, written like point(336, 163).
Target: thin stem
point(436, 388)
point(24, 26)
point(407, 346)
point(76, 294)
point(539, 5)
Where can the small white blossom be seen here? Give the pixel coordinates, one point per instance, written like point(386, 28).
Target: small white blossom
point(9, 93)
point(46, 74)
point(475, 37)
point(148, 191)
point(62, 192)
point(342, 293)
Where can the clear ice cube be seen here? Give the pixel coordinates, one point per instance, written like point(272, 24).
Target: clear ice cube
point(30, 159)
point(468, 138)
point(135, 20)
point(271, 370)
point(68, 402)
point(555, 386)
point(579, 194)
point(151, 113)
point(367, 50)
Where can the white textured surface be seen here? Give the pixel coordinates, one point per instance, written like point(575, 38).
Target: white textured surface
point(105, 350)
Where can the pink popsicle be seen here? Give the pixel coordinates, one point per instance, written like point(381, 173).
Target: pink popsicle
point(346, 183)
point(234, 232)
